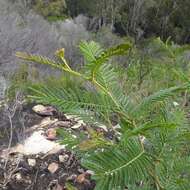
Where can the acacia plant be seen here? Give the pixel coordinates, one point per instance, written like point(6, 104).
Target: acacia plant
point(149, 150)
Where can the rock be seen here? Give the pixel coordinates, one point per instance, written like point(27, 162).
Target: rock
point(31, 162)
point(44, 110)
point(63, 124)
point(81, 178)
point(18, 176)
point(51, 134)
point(46, 122)
point(63, 158)
point(36, 144)
point(53, 167)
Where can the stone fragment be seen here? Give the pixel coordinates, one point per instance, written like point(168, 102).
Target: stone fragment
point(53, 167)
point(45, 122)
point(36, 144)
point(18, 176)
point(31, 162)
point(63, 124)
point(63, 158)
point(51, 134)
point(44, 110)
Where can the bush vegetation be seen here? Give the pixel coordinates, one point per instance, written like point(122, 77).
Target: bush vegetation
point(52, 10)
point(150, 146)
point(138, 89)
point(137, 18)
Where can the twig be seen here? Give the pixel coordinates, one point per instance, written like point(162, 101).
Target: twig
point(11, 114)
point(10, 140)
point(6, 180)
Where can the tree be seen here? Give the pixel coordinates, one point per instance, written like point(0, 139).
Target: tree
point(51, 8)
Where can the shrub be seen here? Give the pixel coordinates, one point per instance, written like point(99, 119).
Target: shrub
point(50, 8)
point(149, 150)
point(23, 30)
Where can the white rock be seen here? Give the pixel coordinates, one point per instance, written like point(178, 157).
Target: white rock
point(53, 167)
point(18, 176)
point(46, 122)
point(31, 162)
point(38, 108)
point(63, 124)
point(37, 143)
point(44, 110)
point(63, 158)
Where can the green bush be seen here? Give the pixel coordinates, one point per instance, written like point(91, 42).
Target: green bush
point(150, 148)
point(52, 9)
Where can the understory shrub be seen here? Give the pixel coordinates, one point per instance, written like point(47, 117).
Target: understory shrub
point(149, 149)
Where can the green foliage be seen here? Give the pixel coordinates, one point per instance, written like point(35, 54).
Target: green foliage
point(52, 10)
point(70, 187)
point(55, 18)
point(155, 65)
point(20, 80)
point(139, 19)
point(128, 164)
point(153, 132)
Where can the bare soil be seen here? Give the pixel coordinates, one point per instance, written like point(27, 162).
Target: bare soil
point(19, 175)
point(16, 171)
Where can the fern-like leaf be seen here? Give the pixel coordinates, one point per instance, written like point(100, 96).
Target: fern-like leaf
point(90, 50)
point(128, 165)
point(147, 127)
point(39, 59)
point(95, 56)
point(159, 96)
point(88, 106)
